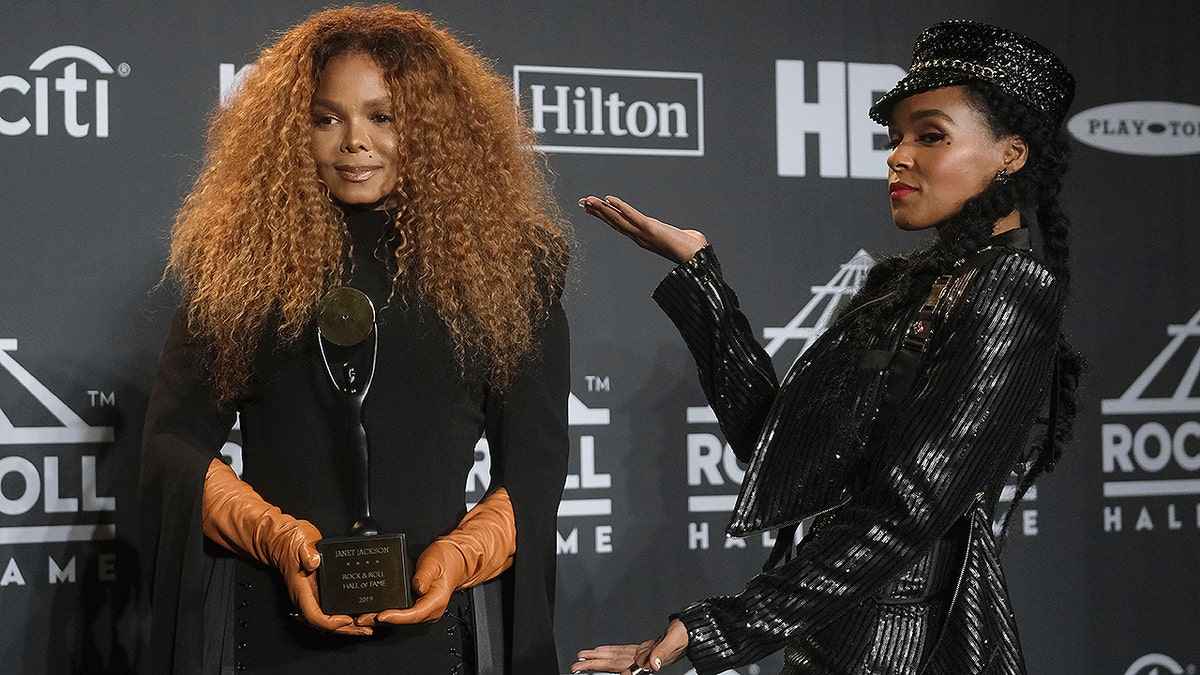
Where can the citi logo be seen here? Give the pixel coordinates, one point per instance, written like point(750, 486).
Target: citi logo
point(1157, 664)
point(613, 112)
point(75, 92)
point(849, 144)
point(1140, 128)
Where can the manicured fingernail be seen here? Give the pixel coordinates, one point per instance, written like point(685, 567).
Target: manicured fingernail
point(657, 664)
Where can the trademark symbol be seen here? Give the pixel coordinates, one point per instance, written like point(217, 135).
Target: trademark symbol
point(102, 398)
point(123, 69)
point(597, 383)
point(1191, 669)
point(754, 669)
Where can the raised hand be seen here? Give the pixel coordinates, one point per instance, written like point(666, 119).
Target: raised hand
point(652, 234)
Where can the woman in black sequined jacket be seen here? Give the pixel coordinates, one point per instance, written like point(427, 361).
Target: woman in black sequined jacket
point(899, 427)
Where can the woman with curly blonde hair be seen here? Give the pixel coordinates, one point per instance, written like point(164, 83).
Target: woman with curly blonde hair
point(366, 148)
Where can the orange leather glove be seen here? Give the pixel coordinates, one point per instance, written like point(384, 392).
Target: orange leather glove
point(237, 518)
point(480, 548)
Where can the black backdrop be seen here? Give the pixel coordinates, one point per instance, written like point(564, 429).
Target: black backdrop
point(746, 121)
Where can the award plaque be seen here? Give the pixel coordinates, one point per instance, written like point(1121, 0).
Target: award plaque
point(360, 574)
point(364, 571)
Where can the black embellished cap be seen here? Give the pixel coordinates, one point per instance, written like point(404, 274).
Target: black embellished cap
point(957, 52)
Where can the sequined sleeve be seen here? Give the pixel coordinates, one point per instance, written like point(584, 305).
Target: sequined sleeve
point(956, 435)
point(735, 372)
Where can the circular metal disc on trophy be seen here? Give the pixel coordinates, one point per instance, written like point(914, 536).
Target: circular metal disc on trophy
point(345, 316)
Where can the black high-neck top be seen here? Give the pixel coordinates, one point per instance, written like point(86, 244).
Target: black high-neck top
point(423, 418)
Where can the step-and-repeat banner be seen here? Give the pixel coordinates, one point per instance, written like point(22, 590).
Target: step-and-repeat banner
point(744, 120)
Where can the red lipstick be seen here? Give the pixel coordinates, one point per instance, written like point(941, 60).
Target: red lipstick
point(899, 190)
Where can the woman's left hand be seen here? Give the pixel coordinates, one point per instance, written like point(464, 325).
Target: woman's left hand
point(652, 234)
point(439, 571)
point(652, 655)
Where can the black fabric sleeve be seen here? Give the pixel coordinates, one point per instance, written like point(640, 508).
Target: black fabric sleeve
point(184, 431)
point(954, 437)
point(527, 435)
point(735, 371)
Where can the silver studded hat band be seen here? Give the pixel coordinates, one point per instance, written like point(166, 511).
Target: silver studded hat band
point(957, 52)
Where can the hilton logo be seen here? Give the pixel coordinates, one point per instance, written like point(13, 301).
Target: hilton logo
point(613, 112)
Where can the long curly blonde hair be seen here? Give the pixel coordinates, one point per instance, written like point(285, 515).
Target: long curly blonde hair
point(258, 240)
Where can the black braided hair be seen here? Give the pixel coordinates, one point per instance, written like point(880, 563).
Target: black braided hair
point(899, 282)
point(1039, 182)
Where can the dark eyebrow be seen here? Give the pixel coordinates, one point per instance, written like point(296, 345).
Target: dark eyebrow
point(380, 102)
point(929, 112)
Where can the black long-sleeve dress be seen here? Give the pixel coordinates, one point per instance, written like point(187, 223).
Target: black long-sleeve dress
point(899, 573)
point(213, 610)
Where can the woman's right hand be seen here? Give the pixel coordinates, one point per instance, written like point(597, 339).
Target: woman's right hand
point(652, 234)
point(236, 517)
point(297, 559)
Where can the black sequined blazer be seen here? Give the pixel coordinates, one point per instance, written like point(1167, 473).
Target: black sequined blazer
point(857, 596)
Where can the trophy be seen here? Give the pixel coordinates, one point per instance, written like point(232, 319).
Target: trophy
point(365, 571)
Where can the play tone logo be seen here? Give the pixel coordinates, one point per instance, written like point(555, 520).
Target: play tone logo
point(1158, 664)
point(1151, 441)
point(613, 112)
point(752, 669)
point(1153, 128)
